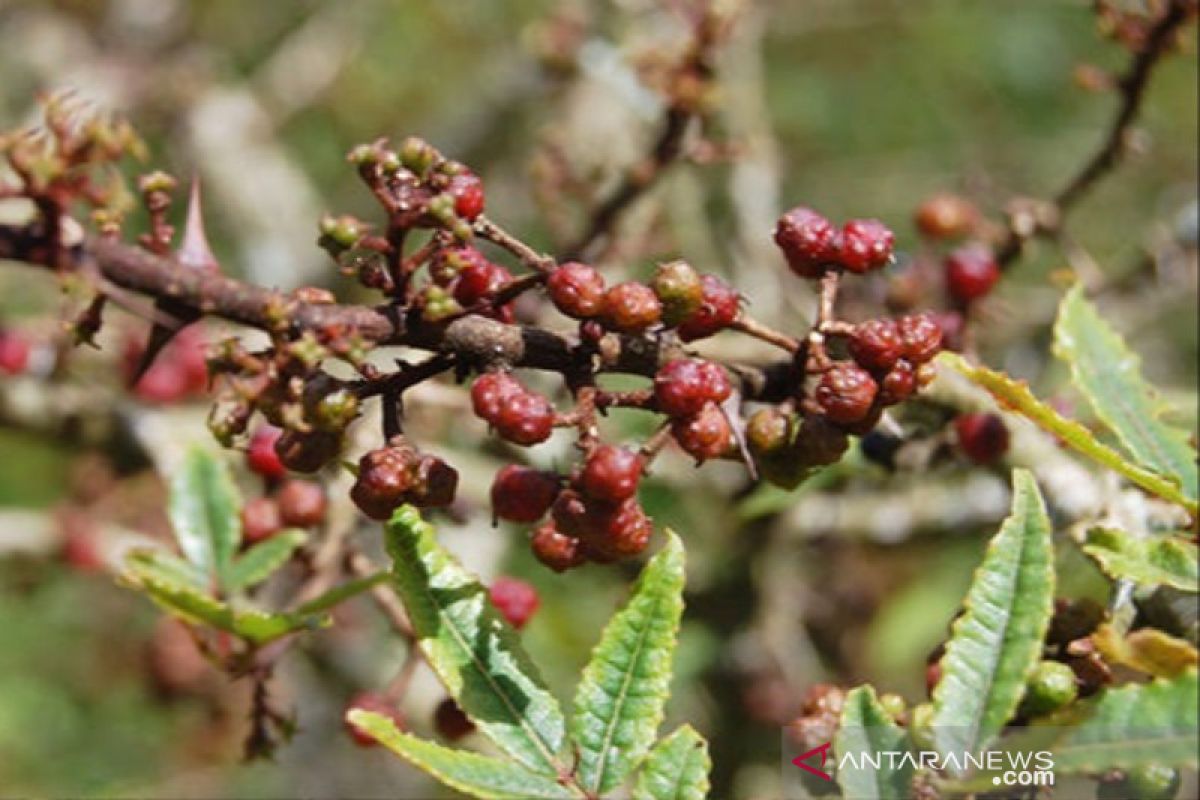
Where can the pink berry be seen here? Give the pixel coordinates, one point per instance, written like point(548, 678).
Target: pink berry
point(809, 241)
point(522, 494)
point(577, 290)
point(611, 474)
point(866, 245)
point(971, 272)
point(718, 309)
point(261, 456)
point(515, 599)
point(14, 352)
point(260, 520)
point(467, 190)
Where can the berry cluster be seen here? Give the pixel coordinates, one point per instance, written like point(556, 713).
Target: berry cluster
point(392, 476)
point(695, 306)
point(517, 414)
point(690, 392)
point(813, 245)
point(288, 503)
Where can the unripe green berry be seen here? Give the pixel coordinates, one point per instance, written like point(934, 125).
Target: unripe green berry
point(418, 155)
point(1153, 782)
point(340, 233)
point(336, 410)
point(1051, 687)
point(893, 704)
point(679, 290)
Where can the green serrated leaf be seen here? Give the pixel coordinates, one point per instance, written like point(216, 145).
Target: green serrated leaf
point(1109, 375)
point(470, 773)
point(865, 730)
point(166, 567)
point(620, 700)
point(477, 655)
point(1131, 726)
point(676, 769)
point(1160, 561)
point(339, 594)
point(194, 605)
point(997, 641)
point(203, 508)
point(1015, 395)
point(259, 562)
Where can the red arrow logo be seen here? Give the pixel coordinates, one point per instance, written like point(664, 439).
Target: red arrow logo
point(824, 751)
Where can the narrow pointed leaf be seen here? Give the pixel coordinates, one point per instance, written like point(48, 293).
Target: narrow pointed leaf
point(866, 729)
point(1131, 726)
point(470, 773)
point(259, 562)
point(1109, 375)
point(997, 641)
point(620, 700)
point(477, 655)
point(1161, 561)
point(167, 568)
point(676, 769)
point(1015, 396)
point(204, 512)
point(339, 594)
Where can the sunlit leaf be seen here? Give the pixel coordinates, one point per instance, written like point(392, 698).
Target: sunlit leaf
point(258, 563)
point(1157, 561)
point(865, 730)
point(676, 769)
point(204, 507)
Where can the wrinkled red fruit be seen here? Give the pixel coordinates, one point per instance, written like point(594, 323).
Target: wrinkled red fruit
point(577, 290)
point(515, 599)
point(846, 392)
point(718, 309)
point(479, 281)
point(491, 391)
point(391, 476)
point(307, 452)
point(376, 704)
point(522, 494)
point(611, 474)
point(706, 435)
point(260, 520)
point(682, 387)
point(971, 272)
point(261, 456)
point(526, 419)
point(14, 352)
point(809, 242)
point(467, 190)
point(631, 307)
point(611, 534)
point(866, 245)
point(876, 344)
point(556, 550)
point(982, 437)
point(898, 385)
point(921, 337)
point(450, 721)
point(302, 504)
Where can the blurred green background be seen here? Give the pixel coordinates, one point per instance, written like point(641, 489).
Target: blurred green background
point(859, 108)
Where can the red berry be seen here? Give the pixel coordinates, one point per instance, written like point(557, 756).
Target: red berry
point(165, 382)
point(611, 474)
point(479, 280)
point(307, 452)
point(718, 309)
point(577, 290)
point(189, 349)
point(491, 391)
point(705, 436)
point(14, 352)
point(450, 721)
point(376, 704)
point(846, 392)
point(526, 419)
point(921, 338)
point(516, 600)
point(876, 344)
point(557, 551)
point(436, 483)
point(467, 190)
point(809, 242)
point(866, 245)
point(448, 262)
point(952, 325)
point(570, 513)
point(385, 478)
point(631, 307)
point(260, 520)
point(302, 504)
point(683, 386)
point(898, 385)
point(971, 272)
point(617, 533)
point(946, 216)
point(983, 437)
point(521, 494)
